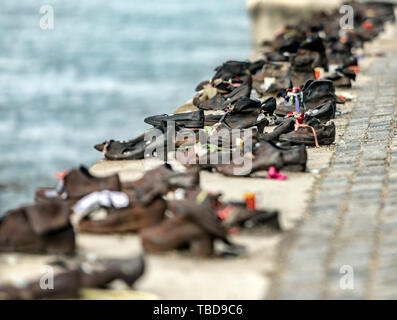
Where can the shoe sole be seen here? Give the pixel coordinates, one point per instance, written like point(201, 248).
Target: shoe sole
point(192, 124)
point(295, 167)
point(326, 141)
point(183, 123)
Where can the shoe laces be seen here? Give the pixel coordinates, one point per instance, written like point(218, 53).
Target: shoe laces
point(304, 125)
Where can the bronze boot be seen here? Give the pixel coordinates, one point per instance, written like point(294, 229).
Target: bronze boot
point(325, 135)
point(38, 228)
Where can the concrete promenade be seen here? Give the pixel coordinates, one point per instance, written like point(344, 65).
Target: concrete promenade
point(347, 246)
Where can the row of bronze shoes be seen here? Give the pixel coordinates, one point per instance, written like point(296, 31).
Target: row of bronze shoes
point(292, 87)
point(166, 207)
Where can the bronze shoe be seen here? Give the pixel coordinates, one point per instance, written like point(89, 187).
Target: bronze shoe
point(236, 214)
point(294, 158)
point(89, 275)
point(317, 92)
point(39, 228)
point(304, 135)
point(159, 181)
point(76, 184)
point(324, 112)
point(264, 157)
point(287, 125)
point(133, 218)
point(283, 109)
point(177, 233)
point(193, 225)
point(244, 114)
point(301, 70)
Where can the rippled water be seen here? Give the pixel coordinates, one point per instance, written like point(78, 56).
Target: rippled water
point(104, 67)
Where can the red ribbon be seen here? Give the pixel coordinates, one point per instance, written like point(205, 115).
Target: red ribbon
point(61, 175)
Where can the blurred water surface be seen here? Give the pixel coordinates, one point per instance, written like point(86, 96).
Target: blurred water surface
point(104, 67)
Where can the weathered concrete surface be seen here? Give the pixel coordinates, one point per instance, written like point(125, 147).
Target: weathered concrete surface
point(352, 220)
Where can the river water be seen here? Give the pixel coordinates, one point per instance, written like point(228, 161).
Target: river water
point(103, 67)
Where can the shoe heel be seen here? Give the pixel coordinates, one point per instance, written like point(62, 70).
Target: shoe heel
point(202, 247)
point(295, 168)
point(260, 127)
point(328, 141)
point(194, 124)
point(133, 270)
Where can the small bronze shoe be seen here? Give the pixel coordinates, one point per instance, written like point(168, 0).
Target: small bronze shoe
point(324, 112)
point(193, 119)
point(159, 181)
point(317, 92)
point(89, 275)
point(294, 158)
point(236, 214)
point(177, 232)
point(264, 157)
point(304, 135)
point(244, 114)
point(76, 184)
point(193, 225)
point(133, 218)
point(301, 70)
point(287, 125)
point(65, 286)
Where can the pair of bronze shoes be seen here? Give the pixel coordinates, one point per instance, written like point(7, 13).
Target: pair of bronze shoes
point(146, 204)
point(266, 154)
point(69, 283)
point(45, 226)
point(217, 94)
point(319, 101)
point(197, 221)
